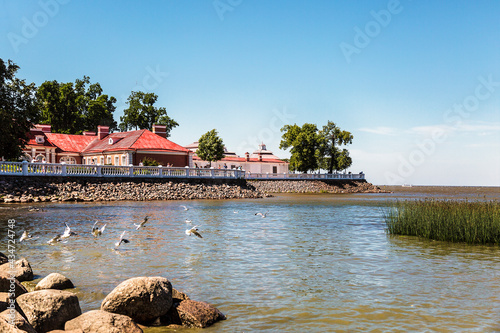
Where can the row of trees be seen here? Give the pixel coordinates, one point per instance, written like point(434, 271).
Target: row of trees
point(313, 149)
point(68, 107)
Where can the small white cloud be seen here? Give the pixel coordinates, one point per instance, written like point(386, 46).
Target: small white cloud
point(381, 130)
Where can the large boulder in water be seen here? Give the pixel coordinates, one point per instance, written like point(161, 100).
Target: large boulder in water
point(21, 270)
point(98, 321)
point(49, 309)
point(143, 299)
point(197, 314)
point(54, 281)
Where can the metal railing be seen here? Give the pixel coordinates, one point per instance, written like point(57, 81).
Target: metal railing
point(83, 170)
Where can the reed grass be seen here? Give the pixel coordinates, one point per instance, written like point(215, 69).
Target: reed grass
point(472, 222)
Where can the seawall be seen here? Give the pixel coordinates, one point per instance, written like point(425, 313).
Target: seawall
point(315, 186)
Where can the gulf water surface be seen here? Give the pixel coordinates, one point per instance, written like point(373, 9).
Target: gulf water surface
point(316, 263)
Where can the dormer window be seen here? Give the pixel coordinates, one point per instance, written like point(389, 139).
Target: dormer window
point(40, 139)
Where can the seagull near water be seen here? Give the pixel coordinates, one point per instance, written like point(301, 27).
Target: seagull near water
point(122, 240)
point(185, 208)
point(26, 236)
point(193, 231)
point(59, 238)
point(188, 221)
point(138, 226)
point(262, 215)
point(96, 231)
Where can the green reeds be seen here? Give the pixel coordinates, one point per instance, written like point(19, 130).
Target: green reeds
point(473, 222)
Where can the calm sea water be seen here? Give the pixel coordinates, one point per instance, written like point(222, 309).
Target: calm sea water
point(316, 263)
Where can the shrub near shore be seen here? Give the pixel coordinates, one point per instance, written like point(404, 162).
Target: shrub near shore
point(473, 222)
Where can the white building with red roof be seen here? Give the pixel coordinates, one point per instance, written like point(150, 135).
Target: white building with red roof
point(260, 161)
point(121, 148)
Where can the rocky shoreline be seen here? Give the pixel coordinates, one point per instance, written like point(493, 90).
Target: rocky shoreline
point(26, 190)
point(131, 306)
point(315, 186)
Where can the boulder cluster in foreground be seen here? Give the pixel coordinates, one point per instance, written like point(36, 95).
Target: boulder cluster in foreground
point(134, 303)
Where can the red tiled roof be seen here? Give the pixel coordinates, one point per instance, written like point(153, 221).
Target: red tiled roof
point(70, 142)
point(134, 140)
point(242, 159)
point(32, 139)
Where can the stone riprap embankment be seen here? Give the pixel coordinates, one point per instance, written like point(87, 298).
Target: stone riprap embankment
point(23, 190)
point(315, 186)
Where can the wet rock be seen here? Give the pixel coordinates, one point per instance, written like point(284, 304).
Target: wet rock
point(22, 270)
point(144, 299)
point(98, 321)
point(197, 314)
point(54, 281)
point(5, 327)
point(49, 309)
point(14, 317)
point(8, 284)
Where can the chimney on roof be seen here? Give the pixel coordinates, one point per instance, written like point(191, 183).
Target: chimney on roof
point(44, 128)
point(102, 131)
point(160, 130)
point(247, 156)
point(87, 133)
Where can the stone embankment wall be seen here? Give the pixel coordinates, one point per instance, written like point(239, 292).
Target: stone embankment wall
point(315, 186)
point(56, 189)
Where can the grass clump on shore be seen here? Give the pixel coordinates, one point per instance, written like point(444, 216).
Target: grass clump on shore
point(472, 222)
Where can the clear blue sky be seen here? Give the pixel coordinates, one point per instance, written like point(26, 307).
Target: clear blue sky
point(416, 82)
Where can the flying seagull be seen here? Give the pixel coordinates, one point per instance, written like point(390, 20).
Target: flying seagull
point(55, 239)
point(67, 232)
point(26, 236)
point(188, 221)
point(193, 231)
point(185, 208)
point(122, 240)
point(262, 215)
point(96, 231)
point(137, 226)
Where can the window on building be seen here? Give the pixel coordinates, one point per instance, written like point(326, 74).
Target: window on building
point(68, 160)
point(117, 160)
point(108, 160)
point(275, 169)
point(124, 159)
point(101, 160)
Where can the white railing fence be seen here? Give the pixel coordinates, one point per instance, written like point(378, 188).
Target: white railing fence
point(300, 176)
point(82, 170)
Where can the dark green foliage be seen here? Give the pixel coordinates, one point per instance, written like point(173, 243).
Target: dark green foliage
point(148, 161)
point(142, 114)
point(210, 147)
point(331, 157)
point(304, 143)
point(18, 111)
point(473, 222)
point(72, 108)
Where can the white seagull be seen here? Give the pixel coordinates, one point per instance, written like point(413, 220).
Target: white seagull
point(138, 226)
point(262, 215)
point(96, 231)
point(122, 240)
point(193, 231)
point(187, 221)
point(67, 232)
point(26, 236)
point(185, 208)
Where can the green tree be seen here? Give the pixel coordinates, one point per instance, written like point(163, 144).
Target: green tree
point(304, 143)
point(210, 147)
point(331, 157)
point(142, 114)
point(72, 108)
point(18, 111)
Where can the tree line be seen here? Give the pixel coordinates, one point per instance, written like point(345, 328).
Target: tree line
point(69, 107)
